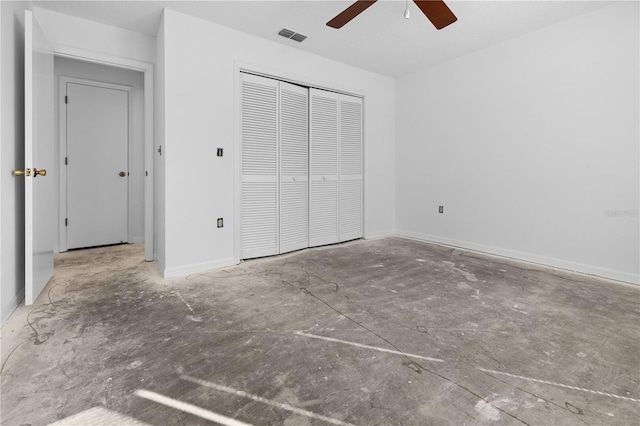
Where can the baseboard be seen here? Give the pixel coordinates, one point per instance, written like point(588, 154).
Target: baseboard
point(380, 234)
point(197, 267)
point(9, 308)
point(527, 257)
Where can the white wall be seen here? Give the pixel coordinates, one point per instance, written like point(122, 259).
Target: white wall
point(85, 70)
point(528, 145)
point(11, 157)
point(201, 83)
point(65, 30)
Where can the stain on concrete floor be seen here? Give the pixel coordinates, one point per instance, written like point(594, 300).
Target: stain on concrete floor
point(384, 332)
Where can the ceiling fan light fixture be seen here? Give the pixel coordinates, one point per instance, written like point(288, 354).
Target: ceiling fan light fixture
point(435, 10)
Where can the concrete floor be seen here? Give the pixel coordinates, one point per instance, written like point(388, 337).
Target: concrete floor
point(384, 332)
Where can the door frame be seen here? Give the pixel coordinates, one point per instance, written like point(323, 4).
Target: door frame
point(62, 152)
point(147, 69)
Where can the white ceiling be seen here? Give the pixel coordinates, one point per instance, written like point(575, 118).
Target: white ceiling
point(379, 40)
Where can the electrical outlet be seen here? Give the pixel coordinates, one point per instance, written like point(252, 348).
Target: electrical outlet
point(440, 209)
point(219, 152)
point(220, 222)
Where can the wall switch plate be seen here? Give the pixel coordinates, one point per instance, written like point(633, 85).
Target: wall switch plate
point(219, 154)
point(440, 209)
point(219, 222)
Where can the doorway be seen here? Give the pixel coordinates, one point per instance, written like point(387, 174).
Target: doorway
point(101, 153)
point(96, 149)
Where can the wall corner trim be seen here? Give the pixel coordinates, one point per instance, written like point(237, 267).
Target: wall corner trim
point(542, 261)
point(197, 267)
point(9, 308)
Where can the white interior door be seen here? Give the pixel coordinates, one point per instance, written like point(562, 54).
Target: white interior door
point(97, 165)
point(39, 187)
point(259, 186)
point(323, 204)
point(294, 162)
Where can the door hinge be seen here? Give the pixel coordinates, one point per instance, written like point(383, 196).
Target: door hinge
point(146, 173)
point(66, 161)
point(66, 99)
point(66, 222)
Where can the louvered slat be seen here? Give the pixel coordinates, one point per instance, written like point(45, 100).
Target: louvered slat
point(259, 128)
point(294, 148)
point(294, 216)
point(350, 138)
point(323, 212)
point(350, 218)
point(259, 148)
point(259, 219)
point(350, 209)
point(323, 197)
point(324, 134)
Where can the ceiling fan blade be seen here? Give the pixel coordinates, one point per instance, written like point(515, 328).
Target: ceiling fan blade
point(349, 13)
point(437, 11)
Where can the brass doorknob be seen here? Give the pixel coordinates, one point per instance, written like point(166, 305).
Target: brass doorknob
point(19, 172)
point(37, 172)
point(122, 174)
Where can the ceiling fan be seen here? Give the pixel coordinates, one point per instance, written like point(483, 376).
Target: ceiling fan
point(436, 10)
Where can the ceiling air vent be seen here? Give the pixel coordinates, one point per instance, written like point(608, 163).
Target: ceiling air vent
point(292, 35)
point(298, 37)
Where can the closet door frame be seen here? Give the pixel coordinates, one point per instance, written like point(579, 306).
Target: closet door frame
point(278, 74)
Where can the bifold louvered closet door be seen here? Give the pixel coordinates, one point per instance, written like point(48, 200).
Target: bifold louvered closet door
point(301, 167)
point(274, 149)
point(294, 165)
point(335, 206)
point(351, 184)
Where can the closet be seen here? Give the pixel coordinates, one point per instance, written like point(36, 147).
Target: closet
point(301, 167)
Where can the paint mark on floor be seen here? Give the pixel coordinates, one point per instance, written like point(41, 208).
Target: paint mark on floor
point(98, 416)
point(375, 348)
point(185, 302)
point(487, 411)
point(188, 408)
point(257, 398)
point(134, 365)
point(561, 385)
point(468, 275)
